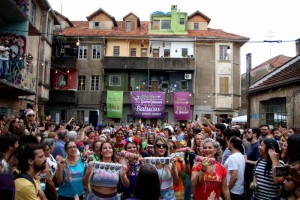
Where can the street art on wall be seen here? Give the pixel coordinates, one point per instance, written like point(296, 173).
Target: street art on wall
point(23, 6)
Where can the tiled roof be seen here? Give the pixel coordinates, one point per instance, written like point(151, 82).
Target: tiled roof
point(275, 62)
point(286, 74)
point(81, 29)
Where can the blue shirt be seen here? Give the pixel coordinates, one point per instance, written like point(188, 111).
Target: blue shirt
point(59, 149)
point(70, 189)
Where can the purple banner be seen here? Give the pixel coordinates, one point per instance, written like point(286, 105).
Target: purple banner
point(182, 105)
point(148, 105)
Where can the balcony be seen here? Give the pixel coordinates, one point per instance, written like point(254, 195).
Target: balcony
point(127, 98)
point(12, 13)
point(13, 90)
point(67, 62)
point(137, 63)
point(62, 96)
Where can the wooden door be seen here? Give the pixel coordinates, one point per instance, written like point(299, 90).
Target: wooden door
point(156, 53)
point(154, 85)
point(142, 85)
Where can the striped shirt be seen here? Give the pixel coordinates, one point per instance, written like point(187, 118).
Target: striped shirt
point(267, 189)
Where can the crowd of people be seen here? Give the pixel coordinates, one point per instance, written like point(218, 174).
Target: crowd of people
point(197, 160)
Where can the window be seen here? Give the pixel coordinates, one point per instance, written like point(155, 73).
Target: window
point(128, 25)
point(223, 52)
point(156, 24)
point(116, 51)
point(274, 112)
point(165, 85)
point(144, 52)
point(96, 51)
point(95, 83)
point(81, 82)
point(82, 53)
point(184, 52)
point(62, 80)
point(196, 26)
point(96, 24)
point(224, 85)
point(166, 52)
point(133, 52)
point(46, 76)
point(181, 21)
point(165, 24)
point(48, 36)
point(33, 13)
point(80, 116)
point(114, 80)
point(184, 84)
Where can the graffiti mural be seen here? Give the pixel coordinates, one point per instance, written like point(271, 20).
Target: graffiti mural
point(23, 6)
point(17, 47)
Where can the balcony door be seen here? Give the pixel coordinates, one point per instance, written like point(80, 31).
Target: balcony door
point(156, 53)
point(142, 85)
point(154, 85)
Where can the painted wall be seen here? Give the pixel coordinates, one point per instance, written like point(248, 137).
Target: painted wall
point(71, 79)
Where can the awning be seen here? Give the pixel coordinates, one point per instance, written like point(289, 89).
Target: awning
point(8, 89)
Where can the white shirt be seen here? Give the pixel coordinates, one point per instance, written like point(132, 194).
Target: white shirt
point(236, 161)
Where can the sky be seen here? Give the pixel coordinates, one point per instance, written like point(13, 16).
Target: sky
point(258, 20)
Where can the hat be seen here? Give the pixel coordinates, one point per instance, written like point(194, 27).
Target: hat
point(28, 112)
point(106, 130)
point(170, 128)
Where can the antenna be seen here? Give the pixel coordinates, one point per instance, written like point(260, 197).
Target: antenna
point(61, 7)
point(270, 39)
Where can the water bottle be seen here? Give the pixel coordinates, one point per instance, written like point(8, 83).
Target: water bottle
point(43, 181)
point(255, 189)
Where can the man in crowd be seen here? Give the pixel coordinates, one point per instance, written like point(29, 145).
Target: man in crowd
point(59, 148)
point(252, 155)
point(235, 165)
point(31, 160)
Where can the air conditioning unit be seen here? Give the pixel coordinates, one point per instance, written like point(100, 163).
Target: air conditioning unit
point(188, 76)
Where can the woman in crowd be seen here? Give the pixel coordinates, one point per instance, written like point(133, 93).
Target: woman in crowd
point(133, 166)
point(29, 122)
point(71, 174)
point(188, 136)
point(150, 138)
point(147, 184)
point(209, 175)
point(178, 188)
point(104, 181)
point(96, 149)
point(49, 145)
point(167, 173)
point(263, 175)
point(50, 190)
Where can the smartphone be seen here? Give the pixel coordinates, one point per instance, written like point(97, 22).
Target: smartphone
point(281, 171)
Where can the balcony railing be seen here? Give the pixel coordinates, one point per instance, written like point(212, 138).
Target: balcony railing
point(67, 62)
point(62, 96)
point(149, 63)
point(127, 98)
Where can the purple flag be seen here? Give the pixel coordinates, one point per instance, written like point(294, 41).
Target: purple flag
point(182, 105)
point(148, 105)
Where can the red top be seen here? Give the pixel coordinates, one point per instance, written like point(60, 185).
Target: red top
point(210, 182)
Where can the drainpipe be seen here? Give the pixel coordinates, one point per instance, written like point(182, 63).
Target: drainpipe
point(248, 83)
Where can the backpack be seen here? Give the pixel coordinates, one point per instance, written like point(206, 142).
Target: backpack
point(27, 177)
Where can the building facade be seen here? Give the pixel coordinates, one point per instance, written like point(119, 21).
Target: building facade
point(27, 27)
point(173, 52)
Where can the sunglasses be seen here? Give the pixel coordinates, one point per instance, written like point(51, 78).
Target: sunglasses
point(72, 147)
point(30, 115)
point(161, 146)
